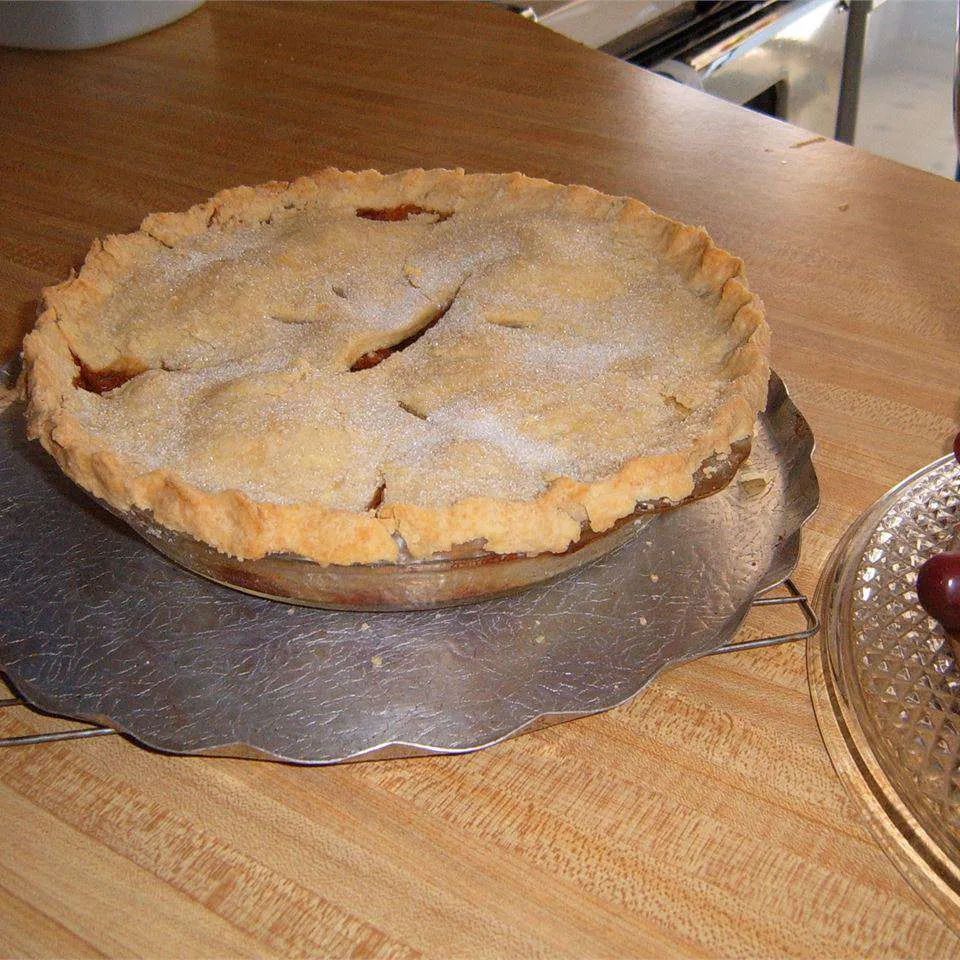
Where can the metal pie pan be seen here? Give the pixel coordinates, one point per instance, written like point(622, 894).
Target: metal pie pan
point(95, 625)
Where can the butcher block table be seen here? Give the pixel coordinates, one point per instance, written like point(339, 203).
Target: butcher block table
point(703, 818)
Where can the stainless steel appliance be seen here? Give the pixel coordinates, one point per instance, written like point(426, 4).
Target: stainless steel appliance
point(782, 57)
point(874, 73)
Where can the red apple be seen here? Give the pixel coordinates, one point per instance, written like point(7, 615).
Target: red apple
point(938, 587)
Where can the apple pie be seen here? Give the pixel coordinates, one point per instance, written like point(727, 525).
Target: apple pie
point(351, 367)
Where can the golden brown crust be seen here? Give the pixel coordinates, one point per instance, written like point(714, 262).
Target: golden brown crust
point(242, 526)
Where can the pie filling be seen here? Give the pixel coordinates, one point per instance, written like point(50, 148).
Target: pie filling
point(377, 497)
point(103, 381)
point(557, 357)
point(402, 212)
point(372, 357)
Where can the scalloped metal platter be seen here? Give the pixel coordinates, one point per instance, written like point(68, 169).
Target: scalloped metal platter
point(96, 625)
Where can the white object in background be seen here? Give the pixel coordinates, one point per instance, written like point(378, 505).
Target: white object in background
point(596, 22)
point(78, 24)
point(905, 106)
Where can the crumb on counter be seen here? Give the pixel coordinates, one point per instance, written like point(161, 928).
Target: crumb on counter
point(751, 480)
point(807, 142)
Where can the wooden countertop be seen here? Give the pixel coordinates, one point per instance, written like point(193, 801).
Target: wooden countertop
point(703, 818)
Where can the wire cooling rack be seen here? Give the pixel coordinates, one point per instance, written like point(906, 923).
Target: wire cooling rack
point(785, 594)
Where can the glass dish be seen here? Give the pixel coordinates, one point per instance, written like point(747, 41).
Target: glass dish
point(463, 576)
point(885, 682)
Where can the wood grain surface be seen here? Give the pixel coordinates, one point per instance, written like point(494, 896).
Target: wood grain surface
point(704, 818)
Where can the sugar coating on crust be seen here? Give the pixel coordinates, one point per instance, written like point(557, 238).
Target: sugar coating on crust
point(576, 353)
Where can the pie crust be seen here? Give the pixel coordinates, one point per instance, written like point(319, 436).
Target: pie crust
point(352, 364)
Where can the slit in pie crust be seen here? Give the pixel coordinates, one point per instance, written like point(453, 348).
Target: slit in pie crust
point(349, 363)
